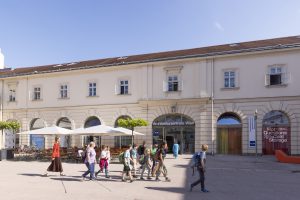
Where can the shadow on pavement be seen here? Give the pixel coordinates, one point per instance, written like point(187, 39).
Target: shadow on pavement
point(169, 189)
point(29, 174)
point(66, 179)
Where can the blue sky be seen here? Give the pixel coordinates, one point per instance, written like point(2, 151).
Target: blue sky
point(40, 32)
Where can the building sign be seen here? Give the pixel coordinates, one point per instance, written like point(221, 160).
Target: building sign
point(174, 123)
point(276, 134)
point(252, 131)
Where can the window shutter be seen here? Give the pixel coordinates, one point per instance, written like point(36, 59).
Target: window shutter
point(267, 79)
point(286, 78)
point(117, 89)
point(236, 78)
point(165, 86)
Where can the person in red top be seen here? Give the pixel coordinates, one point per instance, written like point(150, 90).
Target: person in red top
point(55, 165)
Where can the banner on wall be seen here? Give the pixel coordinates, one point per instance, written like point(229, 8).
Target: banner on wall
point(252, 131)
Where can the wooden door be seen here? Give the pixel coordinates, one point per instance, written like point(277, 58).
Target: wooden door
point(222, 140)
point(234, 140)
point(229, 140)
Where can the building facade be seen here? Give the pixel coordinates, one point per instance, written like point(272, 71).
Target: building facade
point(209, 95)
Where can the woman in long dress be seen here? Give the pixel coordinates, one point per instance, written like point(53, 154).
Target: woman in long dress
point(55, 165)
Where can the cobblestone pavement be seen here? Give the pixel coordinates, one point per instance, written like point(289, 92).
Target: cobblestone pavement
point(227, 177)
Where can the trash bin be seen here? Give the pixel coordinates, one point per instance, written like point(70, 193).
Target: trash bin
point(9, 154)
point(3, 153)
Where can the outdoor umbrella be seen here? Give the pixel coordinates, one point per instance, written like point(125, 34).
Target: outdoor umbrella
point(127, 132)
point(100, 130)
point(52, 130)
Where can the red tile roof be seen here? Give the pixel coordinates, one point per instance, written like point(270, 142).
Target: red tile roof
point(260, 45)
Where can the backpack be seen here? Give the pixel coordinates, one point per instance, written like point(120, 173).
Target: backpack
point(121, 158)
point(142, 160)
point(83, 156)
point(197, 159)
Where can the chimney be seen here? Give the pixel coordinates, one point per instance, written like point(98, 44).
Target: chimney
point(1, 60)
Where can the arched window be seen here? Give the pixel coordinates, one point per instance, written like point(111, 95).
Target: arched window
point(276, 118)
point(121, 141)
point(64, 122)
point(92, 121)
point(228, 119)
point(37, 141)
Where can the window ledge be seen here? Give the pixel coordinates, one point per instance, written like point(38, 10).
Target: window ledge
point(36, 100)
point(67, 98)
point(124, 94)
point(277, 86)
point(12, 102)
point(230, 88)
point(173, 91)
point(92, 96)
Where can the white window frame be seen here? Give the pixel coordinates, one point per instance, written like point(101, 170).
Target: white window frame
point(119, 85)
point(276, 70)
point(229, 74)
point(12, 91)
point(64, 91)
point(34, 93)
point(173, 71)
point(12, 95)
point(92, 89)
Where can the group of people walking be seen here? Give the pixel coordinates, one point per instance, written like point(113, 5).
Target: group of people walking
point(151, 159)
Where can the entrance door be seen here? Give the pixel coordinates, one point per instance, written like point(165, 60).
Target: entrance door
point(170, 142)
point(276, 133)
point(229, 134)
point(229, 140)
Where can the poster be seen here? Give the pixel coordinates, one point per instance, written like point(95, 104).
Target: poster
point(252, 131)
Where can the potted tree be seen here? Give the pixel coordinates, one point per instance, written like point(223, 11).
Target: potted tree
point(131, 124)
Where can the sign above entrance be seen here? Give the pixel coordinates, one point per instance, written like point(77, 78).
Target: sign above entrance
point(186, 123)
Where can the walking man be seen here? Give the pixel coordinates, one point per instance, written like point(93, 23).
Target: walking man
point(200, 160)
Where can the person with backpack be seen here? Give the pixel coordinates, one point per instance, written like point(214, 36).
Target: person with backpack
point(161, 168)
point(146, 164)
point(127, 166)
point(199, 159)
point(90, 162)
point(153, 153)
point(133, 155)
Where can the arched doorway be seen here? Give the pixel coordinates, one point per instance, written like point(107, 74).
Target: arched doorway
point(229, 134)
point(175, 128)
point(276, 133)
point(37, 141)
point(64, 122)
point(92, 121)
point(122, 141)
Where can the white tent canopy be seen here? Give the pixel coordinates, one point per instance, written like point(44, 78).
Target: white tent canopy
point(128, 132)
point(103, 130)
point(52, 130)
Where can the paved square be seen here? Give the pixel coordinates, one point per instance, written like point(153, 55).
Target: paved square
point(228, 177)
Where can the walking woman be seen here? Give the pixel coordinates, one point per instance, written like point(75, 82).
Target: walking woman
point(55, 165)
point(90, 161)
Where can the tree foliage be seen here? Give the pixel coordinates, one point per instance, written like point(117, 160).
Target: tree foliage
point(12, 125)
point(132, 123)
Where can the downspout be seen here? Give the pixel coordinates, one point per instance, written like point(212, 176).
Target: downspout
point(212, 104)
point(2, 99)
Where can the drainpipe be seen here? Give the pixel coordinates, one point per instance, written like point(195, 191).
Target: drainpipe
point(1, 107)
point(212, 105)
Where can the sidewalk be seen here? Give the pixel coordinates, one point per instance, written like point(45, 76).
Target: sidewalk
point(228, 177)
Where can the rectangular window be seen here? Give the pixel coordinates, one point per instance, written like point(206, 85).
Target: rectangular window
point(276, 76)
point(63, 91)
point(36, 93)
point(92, 89)
point(229, 79)
point(173, 83)
point(124, 87)
point(12, 95)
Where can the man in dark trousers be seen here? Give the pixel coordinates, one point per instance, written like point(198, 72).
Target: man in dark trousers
point(200, 160)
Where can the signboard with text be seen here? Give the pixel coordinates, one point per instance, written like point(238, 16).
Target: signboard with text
point(252, 131)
